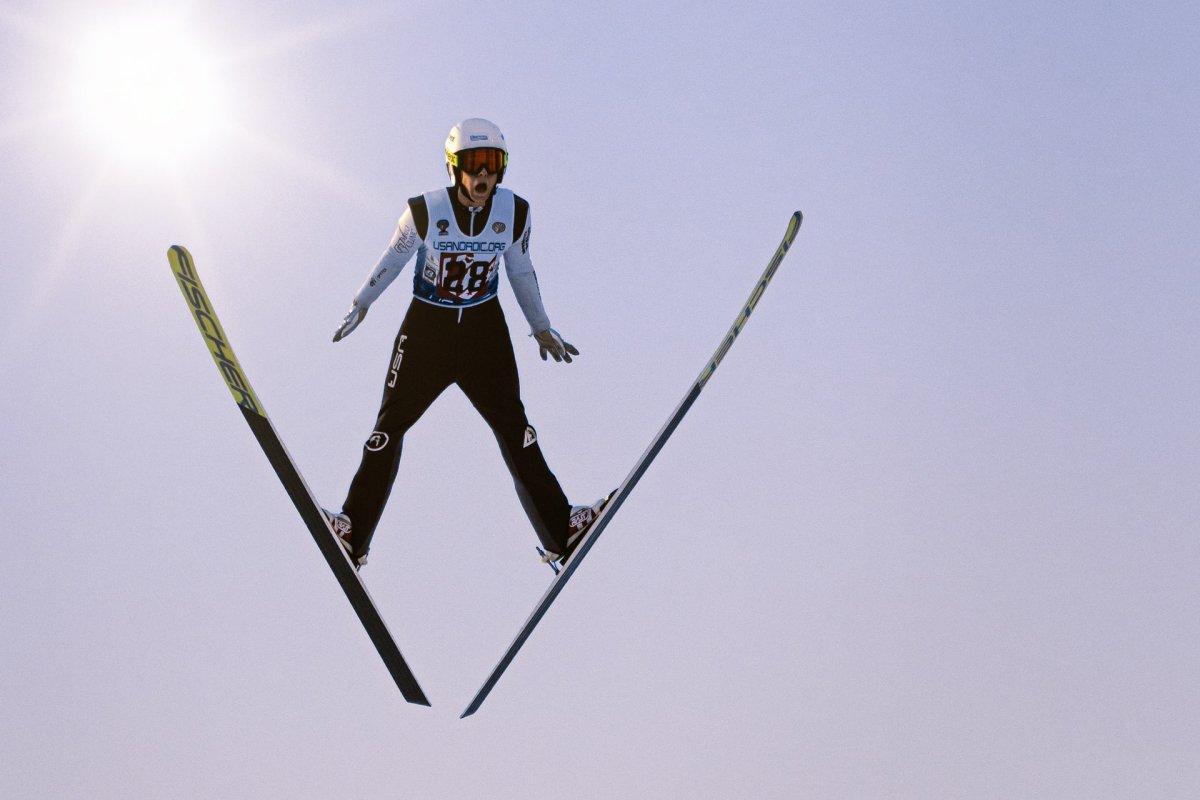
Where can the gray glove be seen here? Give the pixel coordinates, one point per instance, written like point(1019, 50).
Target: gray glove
point(549, 341)
point(355, 315)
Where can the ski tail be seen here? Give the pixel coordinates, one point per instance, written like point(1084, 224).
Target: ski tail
point(293, 482)
point(567, 570)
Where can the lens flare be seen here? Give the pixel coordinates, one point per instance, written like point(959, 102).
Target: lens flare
point(147, 92)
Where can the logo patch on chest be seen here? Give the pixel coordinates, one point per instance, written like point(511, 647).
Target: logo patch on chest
point(498, 227)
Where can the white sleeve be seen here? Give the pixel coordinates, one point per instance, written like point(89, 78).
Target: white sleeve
point(405, 242)
point(524, 283)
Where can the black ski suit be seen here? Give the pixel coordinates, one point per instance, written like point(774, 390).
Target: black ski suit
point(455, 333)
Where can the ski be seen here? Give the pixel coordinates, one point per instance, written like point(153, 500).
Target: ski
point(567, 570)
point(184, 269)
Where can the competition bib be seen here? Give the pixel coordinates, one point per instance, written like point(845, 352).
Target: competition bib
point(457, 270)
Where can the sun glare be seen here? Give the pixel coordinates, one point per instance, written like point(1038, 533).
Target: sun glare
point(146, 92)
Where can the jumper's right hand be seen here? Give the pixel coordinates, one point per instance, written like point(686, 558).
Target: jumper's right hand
point(350, 322)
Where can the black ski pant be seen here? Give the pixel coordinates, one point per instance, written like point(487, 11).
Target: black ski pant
point(470, 347)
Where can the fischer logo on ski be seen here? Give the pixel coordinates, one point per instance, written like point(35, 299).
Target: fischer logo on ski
point(218, 344)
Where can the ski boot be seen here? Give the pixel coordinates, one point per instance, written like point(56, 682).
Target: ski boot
point(579, 523)
point(341, 526)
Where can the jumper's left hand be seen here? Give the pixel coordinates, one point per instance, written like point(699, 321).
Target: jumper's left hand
point(549, 341)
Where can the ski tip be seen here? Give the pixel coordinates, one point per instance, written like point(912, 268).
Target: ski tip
point(466, 713)
point(180, 259)
point(798, 216)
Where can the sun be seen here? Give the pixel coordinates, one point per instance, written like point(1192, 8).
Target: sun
point(147, 92)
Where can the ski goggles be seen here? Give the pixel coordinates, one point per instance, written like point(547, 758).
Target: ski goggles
point(493, 159)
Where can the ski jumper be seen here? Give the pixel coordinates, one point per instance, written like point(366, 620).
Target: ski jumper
point(455, 333)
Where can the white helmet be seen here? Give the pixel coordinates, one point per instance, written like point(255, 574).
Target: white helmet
point(474, 134)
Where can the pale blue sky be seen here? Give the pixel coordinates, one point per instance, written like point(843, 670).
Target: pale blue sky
point(929, 532)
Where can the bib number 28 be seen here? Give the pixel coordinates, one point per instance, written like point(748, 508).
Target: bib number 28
point(462, 276)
